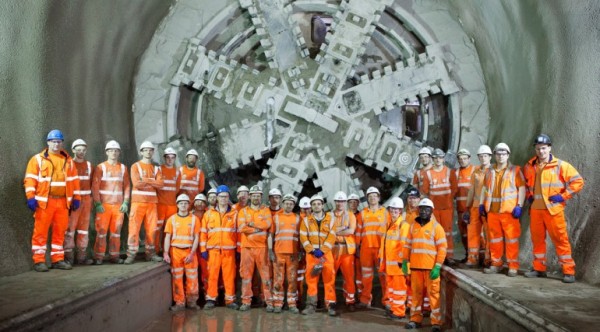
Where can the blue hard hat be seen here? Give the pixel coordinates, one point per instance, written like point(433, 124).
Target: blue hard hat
point(222, 189)
point(55, 134)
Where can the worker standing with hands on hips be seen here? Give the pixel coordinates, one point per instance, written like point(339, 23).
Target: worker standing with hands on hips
point(181, 242)
point(550, 183)
point(425, 251)
point(51, 187)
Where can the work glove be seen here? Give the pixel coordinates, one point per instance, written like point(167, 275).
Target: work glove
point(75, 205)
point(482, 212)
point(556, 198)
point(405, 267)
point(124, 207)
point(204, 255)
point(467, 218)
point(435, 272)
point(32, 204)
point(516, 212)
point(318, 253)
point(271, 255)
point(99, 208)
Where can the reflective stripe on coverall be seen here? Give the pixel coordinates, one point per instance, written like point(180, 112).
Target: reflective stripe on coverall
point(372, 227)
point(463, 184)
point(183, 230)
point(390, 254)
point(79, 220)
point(478, 233)
point(286, 242)
point(440, 187)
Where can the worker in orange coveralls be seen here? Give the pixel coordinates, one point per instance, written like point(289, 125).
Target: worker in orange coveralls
point(254, 224)
point(200, 207)
point(317, 236)
point(390, 254)
point(192, 177)
point(463, 183)
point(345, 246)
point(167, 194)
point(51, 186)
point(550, 183)
point(111, 192)
point(218, 246)
point(242, 198)
point(285, 255)
point(353, 203)
point(426, 164)
point(181, 242)
point(305, 210)
point(422, 257)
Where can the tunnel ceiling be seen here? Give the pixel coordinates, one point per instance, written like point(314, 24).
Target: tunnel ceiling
point(310, 96)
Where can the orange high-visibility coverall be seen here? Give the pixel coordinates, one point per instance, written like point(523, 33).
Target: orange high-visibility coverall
point(219, 236)
point(463, 184)
point(52, 180)
point(440, 187)
point(143, 206)
point(167, 196)
point(285, 236)
point(478, 244)
point(500, 197)
point(390, 254)
point(372, 226)
point(301, 267)
point(344, 250)
point(110, 186)
point(357, 266)
point(202, 263)
point(192, 181)
point(419, 177)
point(79, 220)
point(314, 236)
point(254, 226)
point(184, 232)
point(557, 177)
point(409, 216)
point(425, 248)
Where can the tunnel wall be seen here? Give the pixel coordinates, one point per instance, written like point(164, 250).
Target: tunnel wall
point(67, 65)
point(541, 72)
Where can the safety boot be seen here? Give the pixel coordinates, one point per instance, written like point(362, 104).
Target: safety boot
point(177, 307)
point(412, 325)
point(244, 307)
point(277, 310)
point(192, 306)
point(436, 328)
point(129, 260)
point(512, 273)
point(361, 305)
point(270, 308)
point(117, 260)
point(491, 270)
point(62, 265)
point(351, 307)
point(331, 310)
point(154, 258)
point(210, 304)
point(233, 306)
point(98, 262)
point(311, 306)
point(294, 310)
point(535, 274)
point(84, 261)
point(70, 257)
point(395, 318)
point(40, 267)
point(568, 279)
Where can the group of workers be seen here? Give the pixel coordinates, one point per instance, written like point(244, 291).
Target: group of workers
point(208, 236)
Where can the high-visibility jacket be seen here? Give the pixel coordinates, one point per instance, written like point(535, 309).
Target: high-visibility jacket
point(38, 178)
point(199, 213)
point(255, 236)
point(425, 245)
point(84, 173)
point(183, 230)
point(509, 188)
point(237, 206)
point(410, 215)
point(419, 177)
point(463, 184)
point(145, 193)
point(219, 230)
point(342, 222)
point(440, 187)
point(167, 195)
point(477, 184)
point(314, 236)
point(392, 245)
point(274, 212)
point(192, 181)
point(111, 184)
point(558, 178)
point(372, 226)
point(285, 232)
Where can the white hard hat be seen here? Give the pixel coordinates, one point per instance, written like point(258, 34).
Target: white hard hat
point(274, 192)
point(484, 149)
point(501, 146)
point(182, 197)
point(212, 191)
point(340, 196)
point(372, 190)
point(78, 142)
point(256, 190)
point(112, 145)
point(289, 197)
point(192, 152)
point(425, 151)
point(353, 196)
point(317, 197)
point(305, 203)
point(200, 197)
point(439, 153)
point(397, 203)
point(146, 144)
point(463, 152)
point(170, 150)
point(426, 202)
point(242, 188)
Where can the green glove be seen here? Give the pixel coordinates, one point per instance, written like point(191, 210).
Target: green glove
point(435, 272)
point(124, 207)
point(405, 267)
point(99, 208)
